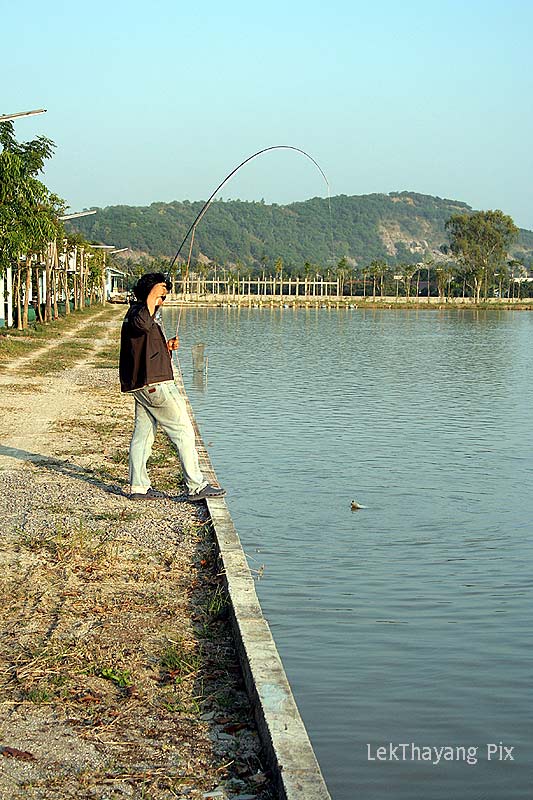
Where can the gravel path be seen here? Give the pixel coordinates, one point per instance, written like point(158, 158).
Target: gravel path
point(118, 676)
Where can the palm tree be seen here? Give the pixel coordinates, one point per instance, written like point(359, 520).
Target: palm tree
point(365, 272)
point(407, 272)
point(378, 270)
point(278, 269)
point(341, 271)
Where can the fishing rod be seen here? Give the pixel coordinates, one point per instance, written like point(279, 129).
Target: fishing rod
point(208, 202)
point(192, 229)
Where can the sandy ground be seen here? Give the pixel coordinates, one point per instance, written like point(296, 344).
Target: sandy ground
point(118, 675)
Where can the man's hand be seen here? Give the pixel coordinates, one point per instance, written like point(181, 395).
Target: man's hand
point(173, 344)
point(154, 298)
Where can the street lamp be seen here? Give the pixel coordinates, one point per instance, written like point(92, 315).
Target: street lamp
point(77, 214)
point(7, 117)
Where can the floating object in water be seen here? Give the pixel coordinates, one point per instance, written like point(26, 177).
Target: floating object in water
point(355, 506)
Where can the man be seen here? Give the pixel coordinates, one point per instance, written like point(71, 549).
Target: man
point(146, 373)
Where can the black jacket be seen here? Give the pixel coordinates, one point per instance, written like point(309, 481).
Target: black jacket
point(144, 357)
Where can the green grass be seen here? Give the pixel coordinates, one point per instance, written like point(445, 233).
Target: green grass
point(107, 356)
point(120, 677)
point(58, 358)
point(178, 662)
point(39, 694)
point(217, 603)
point(15, 343)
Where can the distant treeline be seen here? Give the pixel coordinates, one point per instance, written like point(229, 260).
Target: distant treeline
point(398, 228)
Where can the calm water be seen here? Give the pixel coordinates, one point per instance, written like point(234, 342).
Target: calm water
point(410, 620)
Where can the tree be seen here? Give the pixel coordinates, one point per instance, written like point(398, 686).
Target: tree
point(408, 271)
point(445, 274)
point(341, 271)
point(480, 242)
point(517, 277)
point(278, 269)
point(365, 272)
point(28, 210)
point(378, 270)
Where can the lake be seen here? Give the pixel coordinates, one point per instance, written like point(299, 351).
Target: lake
point(408, 621)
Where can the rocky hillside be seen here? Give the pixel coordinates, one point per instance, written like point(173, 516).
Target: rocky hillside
point(398, 227)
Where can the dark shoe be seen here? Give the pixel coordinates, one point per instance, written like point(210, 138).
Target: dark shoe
point(149, 495)
point(207, 493)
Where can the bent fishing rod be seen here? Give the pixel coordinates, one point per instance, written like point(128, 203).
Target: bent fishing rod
point(208, 202)
point(192, 229)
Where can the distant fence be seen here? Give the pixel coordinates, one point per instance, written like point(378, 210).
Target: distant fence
point(266, 286)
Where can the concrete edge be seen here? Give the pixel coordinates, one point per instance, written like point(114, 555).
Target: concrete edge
point(288, 750)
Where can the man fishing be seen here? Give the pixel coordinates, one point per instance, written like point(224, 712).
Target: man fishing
point(146, 373)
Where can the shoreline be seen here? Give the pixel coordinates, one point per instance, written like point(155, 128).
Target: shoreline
point(347, 303)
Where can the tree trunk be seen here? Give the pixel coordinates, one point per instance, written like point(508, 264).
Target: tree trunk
point(55, 282)
point(65, 289)
point(48, 273)
point(38, 296)
point(65, 278)
point(27, 292)
point(82, 278)
point(17, 298)
point(103, 281)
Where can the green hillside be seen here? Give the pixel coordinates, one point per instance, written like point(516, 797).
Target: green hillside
point(398, 227)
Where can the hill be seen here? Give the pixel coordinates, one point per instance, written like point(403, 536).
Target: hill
point(398, 227)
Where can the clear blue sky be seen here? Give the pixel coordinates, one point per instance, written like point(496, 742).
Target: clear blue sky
point(158, 101)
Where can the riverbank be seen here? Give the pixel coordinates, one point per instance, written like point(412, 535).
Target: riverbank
point(119, 673)
point(346, 302)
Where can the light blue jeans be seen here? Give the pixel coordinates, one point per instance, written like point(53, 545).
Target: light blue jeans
point(161, 404)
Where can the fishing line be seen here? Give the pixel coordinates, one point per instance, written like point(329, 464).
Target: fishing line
point(208, 202)
point(232, 173)
point(192, 230)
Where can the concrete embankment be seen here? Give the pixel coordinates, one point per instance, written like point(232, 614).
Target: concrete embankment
point(194, 300)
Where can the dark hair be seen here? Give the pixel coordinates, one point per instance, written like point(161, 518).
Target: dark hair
point(146, 283)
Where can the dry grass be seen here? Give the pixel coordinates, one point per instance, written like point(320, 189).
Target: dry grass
point(127, 646)
point(118, 675)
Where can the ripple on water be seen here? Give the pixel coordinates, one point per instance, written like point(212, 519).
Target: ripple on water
point(408, 620)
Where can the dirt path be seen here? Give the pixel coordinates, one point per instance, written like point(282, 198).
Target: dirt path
point(30, 404)
point(118, 676)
